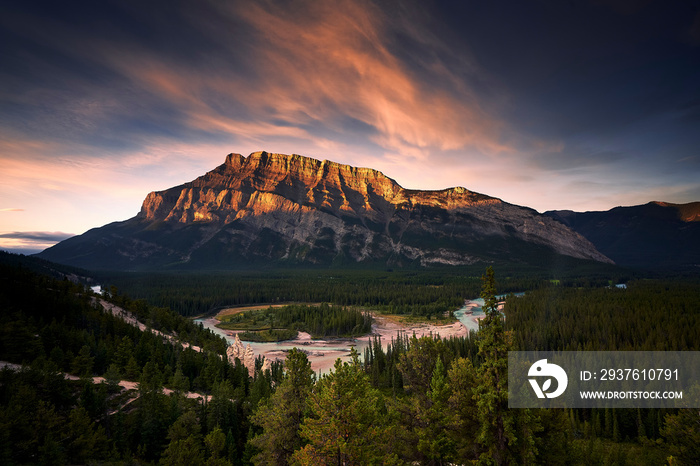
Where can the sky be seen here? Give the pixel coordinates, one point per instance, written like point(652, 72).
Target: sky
point(579, 105)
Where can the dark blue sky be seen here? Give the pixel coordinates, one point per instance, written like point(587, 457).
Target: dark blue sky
point(581, 105)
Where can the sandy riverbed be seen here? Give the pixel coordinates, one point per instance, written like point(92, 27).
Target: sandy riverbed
point(323, 353)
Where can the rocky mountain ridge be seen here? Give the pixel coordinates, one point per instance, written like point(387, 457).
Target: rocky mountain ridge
point(653, 235)
point(275, 207)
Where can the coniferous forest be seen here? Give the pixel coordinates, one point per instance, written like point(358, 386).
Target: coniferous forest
point(323, 320)
point(427, 293)
point(82, 385)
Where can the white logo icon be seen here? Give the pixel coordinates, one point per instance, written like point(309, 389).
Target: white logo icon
point(542, 369)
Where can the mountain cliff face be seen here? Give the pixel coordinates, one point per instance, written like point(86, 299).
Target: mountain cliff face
point(653, 235)
point(287, 208)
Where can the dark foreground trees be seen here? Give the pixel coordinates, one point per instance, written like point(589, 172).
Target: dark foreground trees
point(346, 422)
point(442, 409)
point(427, 401)
point(506, 435)
point(281, 416)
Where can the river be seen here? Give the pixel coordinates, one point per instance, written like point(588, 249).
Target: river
point(323, 353)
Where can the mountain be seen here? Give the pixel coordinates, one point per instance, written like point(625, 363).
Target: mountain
point(288, 209)
point(653, 235)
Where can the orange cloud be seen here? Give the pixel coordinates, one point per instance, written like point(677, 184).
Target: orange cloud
point(330, 65)
point(339, 61)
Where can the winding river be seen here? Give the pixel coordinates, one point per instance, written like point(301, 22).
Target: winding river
point(323, 353)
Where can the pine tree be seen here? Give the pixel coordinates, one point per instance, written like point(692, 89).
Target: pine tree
point(498, 424)
point(132, 370)
point(83, 362)
point(434, 439)
point(215, 442)
point(87, 441)
point(682, 432)
point(346, 423)
point(462, 380)
point(185, 447)
point(113, 375)
point(179, 382)
point(221, 410)
point(282, 414)
point(418, 363)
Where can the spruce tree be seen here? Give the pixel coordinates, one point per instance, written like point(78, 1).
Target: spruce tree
point(281, 415)
point(498, 424)
point(435, 441)
point(185, 447)
point(346, 423)
point(682, 432)
point(464, 421)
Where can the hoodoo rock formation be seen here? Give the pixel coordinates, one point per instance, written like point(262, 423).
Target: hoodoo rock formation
point(245, 355)
point(274, 208)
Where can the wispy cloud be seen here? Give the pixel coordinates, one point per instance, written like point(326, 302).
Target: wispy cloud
point(100, 106)
point(334, 59)
point(325, 79)
point(310, 68)
point(36, 235)
point(31, 241)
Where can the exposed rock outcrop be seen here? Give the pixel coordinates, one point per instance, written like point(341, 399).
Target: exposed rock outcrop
point(245, 355)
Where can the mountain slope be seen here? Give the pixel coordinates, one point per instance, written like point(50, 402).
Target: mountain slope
point(657, 234)
point(274, 208)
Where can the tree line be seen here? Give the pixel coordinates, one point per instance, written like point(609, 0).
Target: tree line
point(426, 293)
point(647, 315)
point(323, 320)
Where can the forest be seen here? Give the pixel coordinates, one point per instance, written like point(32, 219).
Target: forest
point(427, 293)
point(323, 320)
point(414, 401)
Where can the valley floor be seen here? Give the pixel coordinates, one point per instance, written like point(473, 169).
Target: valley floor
point(323, 353)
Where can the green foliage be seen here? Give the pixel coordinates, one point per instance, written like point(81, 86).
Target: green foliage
point(185, 447)
point(414, 400)
point(649, 315)
point(428, 293)
point(435, 441)
point(281, 416)
point(388, 367)
point(40, 422)
point(464, 416)
point(346, 424)
point(505, 435)
point(682, 431)
point(417, 364)
point(47, 419)
point(269, 335)
point(215, 443)
point(324, 320)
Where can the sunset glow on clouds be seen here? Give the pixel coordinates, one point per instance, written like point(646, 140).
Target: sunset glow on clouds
point(102, 103)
